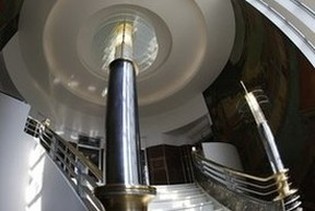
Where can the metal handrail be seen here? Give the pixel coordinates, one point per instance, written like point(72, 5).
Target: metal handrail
point(234, 189)
point(93, 168)
point(232, 171)
point(232, 199)
point(43, 133)
point(243, 189)
point(71, 161)
point(236, 180)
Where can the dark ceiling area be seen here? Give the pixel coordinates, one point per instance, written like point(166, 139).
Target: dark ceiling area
point(9, 18)
point(265, 59)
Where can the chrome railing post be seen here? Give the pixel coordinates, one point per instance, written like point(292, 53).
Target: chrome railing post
point(81, 181)
point(269, 145)
point(229, 180)
point(53, 148)
point(81, 170)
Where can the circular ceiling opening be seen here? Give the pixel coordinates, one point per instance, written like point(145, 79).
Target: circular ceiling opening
point(79, 61)
point(151, 40)
point(104, 43)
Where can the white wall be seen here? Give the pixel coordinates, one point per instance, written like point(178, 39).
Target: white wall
point(46, 187)
point(56, 192)
point(154, 128)
point(222, 153)
point(14, 152)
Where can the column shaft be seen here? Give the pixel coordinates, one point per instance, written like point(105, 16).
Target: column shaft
point(122, 126)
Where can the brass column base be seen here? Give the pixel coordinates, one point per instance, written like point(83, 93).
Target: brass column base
point(125, 198)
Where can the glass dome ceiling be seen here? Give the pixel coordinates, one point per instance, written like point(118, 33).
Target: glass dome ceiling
point(144, 43)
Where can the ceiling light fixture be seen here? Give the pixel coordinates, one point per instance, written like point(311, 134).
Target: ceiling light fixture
point(126, 36)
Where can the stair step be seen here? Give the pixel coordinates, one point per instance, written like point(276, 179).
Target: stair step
point(183, 197)
point(180, 203)
point(205, 206)
point(176, 195)
point(175, 189)
point(177, 186)
point(192, 198)
point(172, 197)
point(208, 206)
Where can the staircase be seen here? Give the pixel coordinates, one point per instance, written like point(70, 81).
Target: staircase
point(229, 189)
point(183, 197)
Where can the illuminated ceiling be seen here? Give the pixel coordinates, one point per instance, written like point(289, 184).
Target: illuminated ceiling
point(53, 58)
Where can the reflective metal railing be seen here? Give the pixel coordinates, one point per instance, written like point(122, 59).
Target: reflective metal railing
point(238, 190)
point(238, 181)
point(81, 173)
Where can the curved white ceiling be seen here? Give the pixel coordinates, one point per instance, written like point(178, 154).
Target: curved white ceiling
point(54, 41)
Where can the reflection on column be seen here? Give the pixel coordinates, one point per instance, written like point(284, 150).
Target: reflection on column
point(124, 189)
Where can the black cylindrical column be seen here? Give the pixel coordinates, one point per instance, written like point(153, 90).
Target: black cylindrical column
point(124, 189)
point(122, 126)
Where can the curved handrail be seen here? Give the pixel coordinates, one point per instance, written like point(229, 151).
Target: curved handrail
point(236, 180)
point(232, 171)
point(92, 167)
point(237, 189)
point(232, 199)
point(234, 189)
point(43, 131)
point(75, 166)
